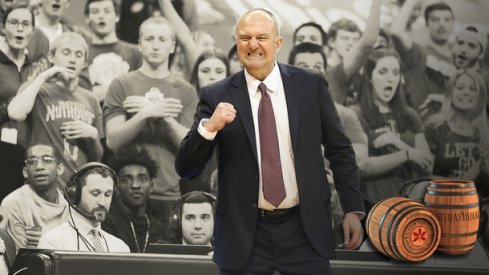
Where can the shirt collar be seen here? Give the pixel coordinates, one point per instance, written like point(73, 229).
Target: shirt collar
point(82, 224)
point(272, 81)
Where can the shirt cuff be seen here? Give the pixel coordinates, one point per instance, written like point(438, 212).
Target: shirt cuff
point(203, 132)
point(359, 214)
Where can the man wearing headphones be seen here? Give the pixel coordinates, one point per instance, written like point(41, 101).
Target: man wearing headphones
point(192, 219)
point(89, 192)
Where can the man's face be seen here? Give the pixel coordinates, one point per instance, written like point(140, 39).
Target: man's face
point(440, 25)
point(42, 168)
point(96, 196)
point(156, 43)
point(197, 223)
point(257, 43)
point(71, 56)
point(18, 29)
point(308, 34)
point(466, 51)
point(102, 17)
point(54, 9)
point(344, 41)
point(313, 61)
point(135, 185)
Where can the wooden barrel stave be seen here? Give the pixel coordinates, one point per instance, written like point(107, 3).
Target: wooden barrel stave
point(390, 224)
point(456, 206)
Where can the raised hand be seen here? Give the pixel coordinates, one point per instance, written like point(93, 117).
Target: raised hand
point(223, 114)
point(56, 71)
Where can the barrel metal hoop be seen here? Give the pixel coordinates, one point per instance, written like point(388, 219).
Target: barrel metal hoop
point(451, 193)
point(382, 222)
point(446, 206)
point(403, 215)
point(459, 235)
point(457, 246)
point(451, 186)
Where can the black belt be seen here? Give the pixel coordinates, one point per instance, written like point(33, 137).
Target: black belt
point(277, 215)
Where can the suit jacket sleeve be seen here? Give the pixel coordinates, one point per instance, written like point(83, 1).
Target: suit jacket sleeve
point(339, 152)
point(195, 150)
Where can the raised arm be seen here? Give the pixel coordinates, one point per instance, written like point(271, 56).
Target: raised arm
point(399, 27)
point(22, 104)
point(353, 61)
point(184, 35)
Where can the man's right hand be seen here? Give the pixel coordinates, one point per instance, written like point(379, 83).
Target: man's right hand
point(223, 114)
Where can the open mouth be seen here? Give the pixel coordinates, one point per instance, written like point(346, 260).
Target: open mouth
point(101, 24)
point(461, 57)
point(19, 39)
point(56, 7)
point(254, 54)
point(389, 88)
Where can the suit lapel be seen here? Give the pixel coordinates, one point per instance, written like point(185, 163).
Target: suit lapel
point(243, 108)
point(292, 94)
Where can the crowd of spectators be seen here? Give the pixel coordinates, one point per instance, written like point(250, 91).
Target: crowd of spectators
point(123, 92)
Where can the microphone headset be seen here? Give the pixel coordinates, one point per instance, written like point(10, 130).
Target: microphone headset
point(176, 212)
point(73, 195)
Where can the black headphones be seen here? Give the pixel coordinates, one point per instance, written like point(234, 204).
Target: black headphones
point(176, 212)
point(73, 185)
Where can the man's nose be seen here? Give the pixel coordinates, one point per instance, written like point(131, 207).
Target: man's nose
point(198, 224)
point(253, 43)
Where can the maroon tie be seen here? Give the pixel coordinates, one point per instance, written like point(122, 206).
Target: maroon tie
point(273, 182)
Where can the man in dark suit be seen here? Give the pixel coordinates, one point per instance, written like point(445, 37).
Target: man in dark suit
point(273, 209)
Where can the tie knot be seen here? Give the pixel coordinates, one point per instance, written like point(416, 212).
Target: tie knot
point(262, 88)
point(95, 232)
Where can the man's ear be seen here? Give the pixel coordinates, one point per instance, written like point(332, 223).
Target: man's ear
point(24, 172)
point(60, 169)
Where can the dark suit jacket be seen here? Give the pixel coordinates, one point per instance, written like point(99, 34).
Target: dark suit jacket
point(313, 121)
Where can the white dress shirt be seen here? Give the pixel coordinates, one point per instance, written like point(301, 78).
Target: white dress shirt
point(275, 89)
point(65, 237)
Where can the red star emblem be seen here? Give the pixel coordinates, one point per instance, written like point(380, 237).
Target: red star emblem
point(419, 236)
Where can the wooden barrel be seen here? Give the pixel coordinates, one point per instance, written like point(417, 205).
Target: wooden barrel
point(403, 229)
point(456, 205)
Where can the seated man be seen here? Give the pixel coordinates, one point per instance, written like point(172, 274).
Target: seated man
point(129, 218)
point(37, 206)
point(89, 192)
point(192, 219)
